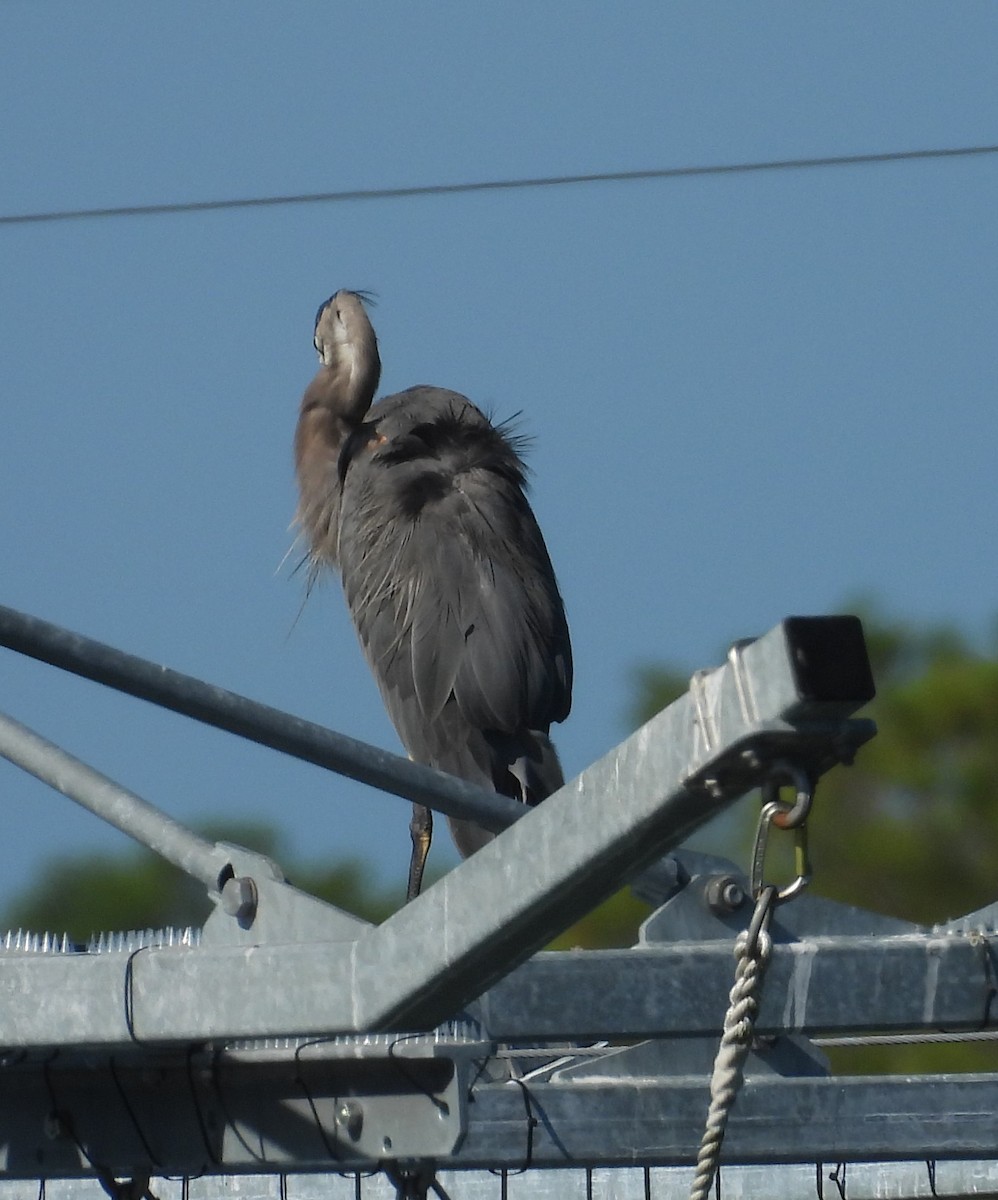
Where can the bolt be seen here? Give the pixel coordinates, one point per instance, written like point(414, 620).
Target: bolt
point(53, 1126)
point(350, 1118)
point(239, 898)
point(751, 759)
point(713, 788)
point(724, 894)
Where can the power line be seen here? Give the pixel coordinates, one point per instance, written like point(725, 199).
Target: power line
point(488, 185)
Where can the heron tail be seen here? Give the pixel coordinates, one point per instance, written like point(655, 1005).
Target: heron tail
point(526, 767)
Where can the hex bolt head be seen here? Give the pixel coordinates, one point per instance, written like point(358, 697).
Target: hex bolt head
point(239, 898)
point(350, 1118)
point(724, 894)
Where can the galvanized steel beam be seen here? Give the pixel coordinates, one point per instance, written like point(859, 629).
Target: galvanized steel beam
point(917, 982)
point(211, 1117)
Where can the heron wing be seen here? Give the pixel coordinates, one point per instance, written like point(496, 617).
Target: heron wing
point(450, 585)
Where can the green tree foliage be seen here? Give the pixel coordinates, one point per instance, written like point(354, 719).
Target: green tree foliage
point(614, 923)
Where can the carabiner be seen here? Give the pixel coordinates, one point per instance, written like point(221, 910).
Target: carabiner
point(802, 865)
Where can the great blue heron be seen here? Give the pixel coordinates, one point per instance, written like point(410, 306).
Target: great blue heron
point(419, 501)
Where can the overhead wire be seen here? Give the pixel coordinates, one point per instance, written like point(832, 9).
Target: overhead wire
point(488, 185)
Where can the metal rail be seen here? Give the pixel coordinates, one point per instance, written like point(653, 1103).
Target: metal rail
point(922, 1179)
point(253, 721)
point(111, 802)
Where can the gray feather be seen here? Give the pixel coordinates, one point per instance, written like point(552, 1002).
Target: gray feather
point(453, 595)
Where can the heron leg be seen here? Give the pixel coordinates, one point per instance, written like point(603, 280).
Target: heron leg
point(421, 832)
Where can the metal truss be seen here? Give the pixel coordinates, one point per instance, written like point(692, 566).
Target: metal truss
point(289, 1048)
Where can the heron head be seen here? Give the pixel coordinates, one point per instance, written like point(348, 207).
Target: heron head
point(347, 346)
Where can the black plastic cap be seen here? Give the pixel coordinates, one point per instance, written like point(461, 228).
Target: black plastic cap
point(831, 665)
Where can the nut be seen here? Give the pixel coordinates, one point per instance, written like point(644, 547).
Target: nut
point(724, 894)
point(239, 898)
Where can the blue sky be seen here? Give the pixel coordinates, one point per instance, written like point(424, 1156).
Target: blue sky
point(751, 395)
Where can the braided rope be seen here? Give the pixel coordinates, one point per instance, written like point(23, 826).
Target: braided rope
point(752, 950)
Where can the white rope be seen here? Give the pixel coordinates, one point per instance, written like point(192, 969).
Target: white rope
point(752, 953)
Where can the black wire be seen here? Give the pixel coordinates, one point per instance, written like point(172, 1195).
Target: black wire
point(487, 185)
point(411, 1077)
point(532, 1123)
point(990, 982)
point(133, 1117)
point(482, 1067)
point(220, 1097)
point(202, 1124)
point(414, 1183)
point(438, 1188)
point(105, 1176)
point(299, 1079)
point(838, 1177)
point(130, 995)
